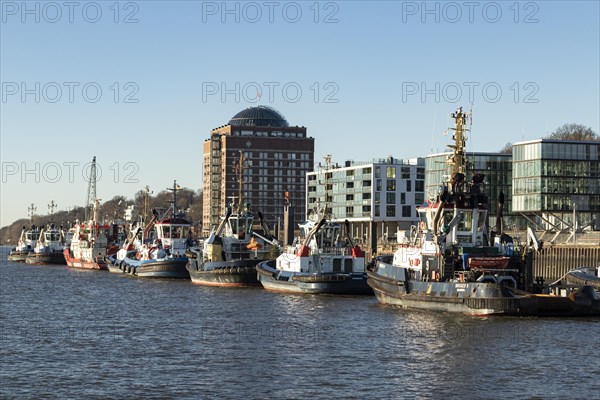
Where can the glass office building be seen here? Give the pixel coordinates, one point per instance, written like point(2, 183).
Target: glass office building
point(552, 178)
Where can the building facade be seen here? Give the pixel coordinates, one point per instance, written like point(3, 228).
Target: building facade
point(277, 157)
point(552, 179)
point(377, 198)
point(496, 167)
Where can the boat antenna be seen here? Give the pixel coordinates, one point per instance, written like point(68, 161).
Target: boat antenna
point(327, 177)
point(30, 211)
point(90, 202)
point(433, 128)
point(239, 169)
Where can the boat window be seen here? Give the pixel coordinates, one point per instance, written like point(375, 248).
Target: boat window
point(176, 232)
point(423, 218)
point(186, 232)
point(166, 231)
point(447, 217)
point(467, 222)
point(481, 221)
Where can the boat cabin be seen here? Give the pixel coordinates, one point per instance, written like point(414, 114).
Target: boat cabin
point(239, 226)
point(174, 234)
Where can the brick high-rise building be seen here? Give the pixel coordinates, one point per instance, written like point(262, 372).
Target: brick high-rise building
point(277, 158)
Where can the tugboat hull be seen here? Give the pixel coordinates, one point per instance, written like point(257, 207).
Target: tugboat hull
point(223, 273)
point(166, 269)
point(18, 256)
point(83, 264)
point(56, 258)
point(477, 298)
point(315, 283)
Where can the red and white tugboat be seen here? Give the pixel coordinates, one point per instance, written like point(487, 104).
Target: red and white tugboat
point(89, 244)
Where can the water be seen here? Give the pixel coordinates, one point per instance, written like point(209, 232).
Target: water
point(92, 334)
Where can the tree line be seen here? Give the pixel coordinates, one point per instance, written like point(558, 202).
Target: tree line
point(144, 201)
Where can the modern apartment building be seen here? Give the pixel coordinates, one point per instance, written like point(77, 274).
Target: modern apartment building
point(378, 198)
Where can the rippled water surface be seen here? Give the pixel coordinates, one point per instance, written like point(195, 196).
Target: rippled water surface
point(92, 334)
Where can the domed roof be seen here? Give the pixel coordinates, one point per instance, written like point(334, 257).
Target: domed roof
point(259, 116)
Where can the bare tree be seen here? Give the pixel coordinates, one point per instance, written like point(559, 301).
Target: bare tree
point(507, 149)
point(574, 132)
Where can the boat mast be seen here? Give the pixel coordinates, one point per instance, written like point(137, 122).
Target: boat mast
point(90, 202)
point(174, 189)
point(147, 193)
point(240, 172)
point(51, 208)
point(457, 160)
point(30, 210)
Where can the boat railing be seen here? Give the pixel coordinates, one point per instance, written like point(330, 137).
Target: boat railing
point(338, 251)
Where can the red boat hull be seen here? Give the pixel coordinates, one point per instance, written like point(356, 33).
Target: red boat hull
point(83, 264)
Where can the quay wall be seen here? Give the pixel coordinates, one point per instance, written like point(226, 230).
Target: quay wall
point(552, 263)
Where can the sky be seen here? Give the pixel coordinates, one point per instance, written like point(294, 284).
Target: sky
point(140, 84)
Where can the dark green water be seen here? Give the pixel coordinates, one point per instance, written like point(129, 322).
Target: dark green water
point(92, 334)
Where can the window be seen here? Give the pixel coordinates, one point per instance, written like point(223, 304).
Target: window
point(390, 211)
point(378, 172)
point(349, 197)
point(408, 186)
point(366, 170)
point(366, 183)
point(391, 185)
point(366, 196)
point(390, 198)
point(378, 184)
point(377, 211)
point(350, 172)
point(349, 185)
point(406, 211)
point(377, 199)
point(391, 172)
point(419, 186)
point(405, 173)
point(402, 198)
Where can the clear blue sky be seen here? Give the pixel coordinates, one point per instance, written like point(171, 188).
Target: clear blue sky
point(372, 59)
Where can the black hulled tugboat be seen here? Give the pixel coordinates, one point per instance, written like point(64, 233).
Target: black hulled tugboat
point(228, 257)
point(450, 265)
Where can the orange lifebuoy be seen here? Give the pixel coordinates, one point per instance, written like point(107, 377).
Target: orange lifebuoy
point(417, 261)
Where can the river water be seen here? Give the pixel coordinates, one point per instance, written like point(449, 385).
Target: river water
point(92, 334)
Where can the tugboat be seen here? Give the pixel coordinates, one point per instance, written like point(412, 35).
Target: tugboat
point(165, 257)
point(27, 240)
point(450, 265)
point(318, 262)
point(230, 258)
point(49, 247)
point(26, 244)
point(88, 247)
point(89, 243)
